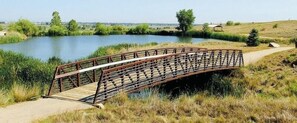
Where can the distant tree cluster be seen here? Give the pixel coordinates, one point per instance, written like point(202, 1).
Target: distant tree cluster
point(140, 29)
point(231, 23)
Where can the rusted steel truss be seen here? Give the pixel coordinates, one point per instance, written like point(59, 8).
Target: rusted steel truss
point(69, 76)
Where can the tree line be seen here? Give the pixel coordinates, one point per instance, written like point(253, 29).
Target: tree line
point(184, 17)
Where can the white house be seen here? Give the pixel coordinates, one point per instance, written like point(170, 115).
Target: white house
point(2, 33)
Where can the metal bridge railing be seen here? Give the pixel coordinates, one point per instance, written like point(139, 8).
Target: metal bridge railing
point(69, 76)
point(150, 72)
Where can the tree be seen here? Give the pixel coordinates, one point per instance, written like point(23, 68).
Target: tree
point(73, 28)
point(230, 23)
point(56, 27)
point(253, 39)
point(101, 29)
point(56, 20)
point(205, 27)
point(1, 28)
point(140, 29)
point(186, 19)
point(57, 31)
point(25, 27)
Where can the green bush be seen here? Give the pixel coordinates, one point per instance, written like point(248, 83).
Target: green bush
point(26, 70)
point(206, 28)
point(10, 39)
point(55, 60)
point(57, 31)
point(25, 27)
point(101, 29)
point(275, 26)
point(140, 29)
point(103, 51)
point(119, 30)
point(229, 23)
point(228, 37)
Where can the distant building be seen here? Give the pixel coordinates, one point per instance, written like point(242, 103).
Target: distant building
point(2, 33)
point(214, 27)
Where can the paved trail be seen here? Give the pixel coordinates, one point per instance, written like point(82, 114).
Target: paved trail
point(28, 111)
point(253, 57)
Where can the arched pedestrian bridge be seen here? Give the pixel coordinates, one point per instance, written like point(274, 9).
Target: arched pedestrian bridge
point(97, 79)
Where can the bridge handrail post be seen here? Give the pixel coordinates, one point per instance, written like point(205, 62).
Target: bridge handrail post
point(77, 75)
point(53, 82)
point(98, 87)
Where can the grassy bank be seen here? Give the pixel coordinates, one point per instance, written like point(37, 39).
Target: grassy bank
point(12, 37)
point(268, 95)
point(22, 78)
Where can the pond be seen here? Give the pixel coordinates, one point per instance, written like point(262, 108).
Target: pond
point(71, 48)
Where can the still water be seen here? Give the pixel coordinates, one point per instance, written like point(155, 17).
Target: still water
point(70, 48)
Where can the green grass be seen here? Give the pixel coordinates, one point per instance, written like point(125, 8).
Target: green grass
point(12, 37)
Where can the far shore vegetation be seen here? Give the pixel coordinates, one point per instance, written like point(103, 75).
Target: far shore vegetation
point(279, 32)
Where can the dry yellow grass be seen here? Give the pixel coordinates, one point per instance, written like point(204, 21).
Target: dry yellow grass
point(22, 93)
point(186, 109)
point(210, 44)
point(3, 98)
point(285, 29)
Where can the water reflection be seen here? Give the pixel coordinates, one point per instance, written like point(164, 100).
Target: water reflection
point(185, 40)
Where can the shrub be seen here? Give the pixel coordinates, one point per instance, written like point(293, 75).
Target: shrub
point(237, 23)
point(4, 99)
point(275, 26)
point(11, 39)
point(21, 93)
point(119, 30)
point(57, 31)
point(102, 51)
point(17, 67)
point(227, 36)
point(140, 29)
point(101, 29)
point(293, 40)
point(25, 27)
point(253, 39)
point(229, 23)
point(55, 60)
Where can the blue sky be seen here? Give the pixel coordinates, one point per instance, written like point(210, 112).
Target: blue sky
point(149, 11)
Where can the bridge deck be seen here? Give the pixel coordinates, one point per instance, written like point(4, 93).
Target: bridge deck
point(84, 93)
